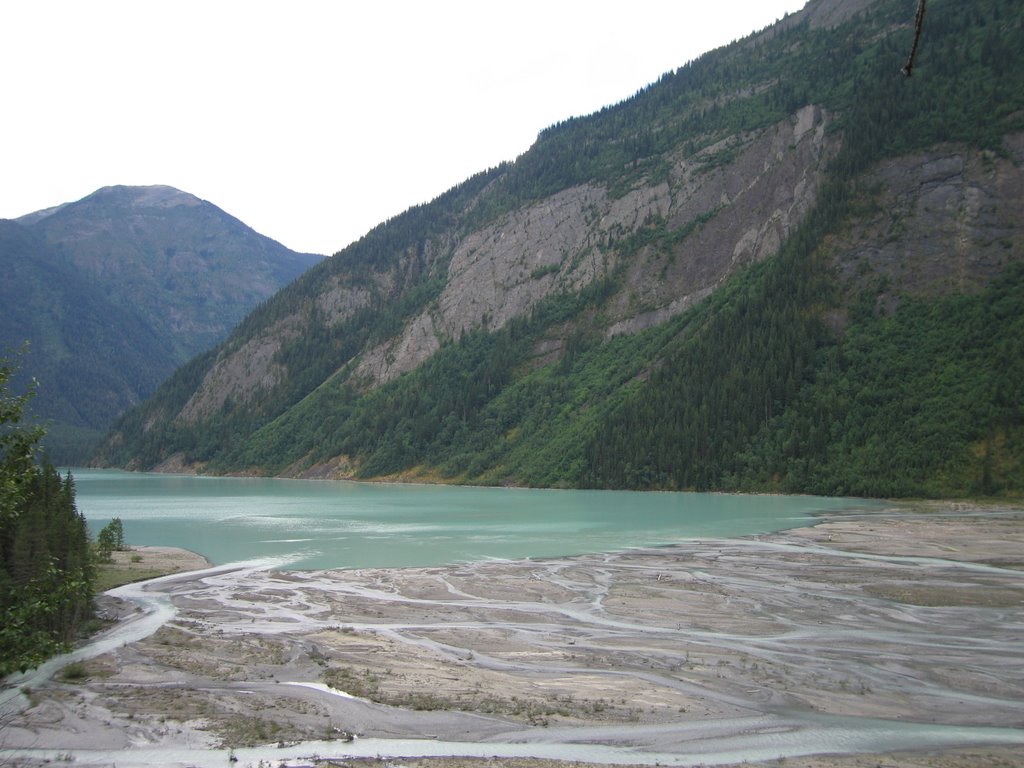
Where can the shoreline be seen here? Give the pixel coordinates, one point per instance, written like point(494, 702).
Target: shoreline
point(901, 616)
point(166, 560)
point(1009, 502)
point(141, 563)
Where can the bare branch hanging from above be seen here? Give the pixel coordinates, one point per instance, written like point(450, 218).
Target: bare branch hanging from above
point(918, 21)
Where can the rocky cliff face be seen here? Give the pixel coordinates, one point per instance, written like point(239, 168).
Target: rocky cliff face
point(738, 200)
point(736, 212)
point(941, 222)
point(944, 220)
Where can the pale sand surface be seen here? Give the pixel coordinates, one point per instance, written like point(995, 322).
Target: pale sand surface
point(164, 559)
point(913, 615)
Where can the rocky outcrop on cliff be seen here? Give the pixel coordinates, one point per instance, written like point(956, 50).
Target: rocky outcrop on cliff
point(733, 212)
point(944, 221)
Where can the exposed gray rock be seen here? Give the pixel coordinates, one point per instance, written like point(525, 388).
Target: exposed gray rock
point(741, 198)
point(237, 376)
point(945, 220)
point(338, 302)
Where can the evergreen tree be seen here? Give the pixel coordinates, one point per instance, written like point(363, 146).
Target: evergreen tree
point(46, 575)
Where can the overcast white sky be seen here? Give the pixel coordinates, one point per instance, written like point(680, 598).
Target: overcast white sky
point(314, 120)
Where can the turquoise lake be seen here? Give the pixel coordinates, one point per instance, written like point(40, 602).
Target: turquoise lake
point(321, 524)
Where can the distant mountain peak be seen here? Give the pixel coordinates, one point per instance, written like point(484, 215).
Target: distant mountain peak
point(154, 196)
point(120, 287)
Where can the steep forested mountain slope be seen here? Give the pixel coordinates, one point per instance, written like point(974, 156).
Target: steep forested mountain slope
point(113, 292)
point(781, 266)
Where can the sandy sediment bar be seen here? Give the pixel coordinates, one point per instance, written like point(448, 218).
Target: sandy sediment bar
point(164, 559)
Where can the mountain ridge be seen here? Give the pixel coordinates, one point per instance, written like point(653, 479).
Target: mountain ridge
point(688, 247)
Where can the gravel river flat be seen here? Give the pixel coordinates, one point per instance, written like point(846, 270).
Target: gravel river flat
point(894, 633)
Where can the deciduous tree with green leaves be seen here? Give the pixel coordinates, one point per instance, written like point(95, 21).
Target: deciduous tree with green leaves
point(110, 539)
